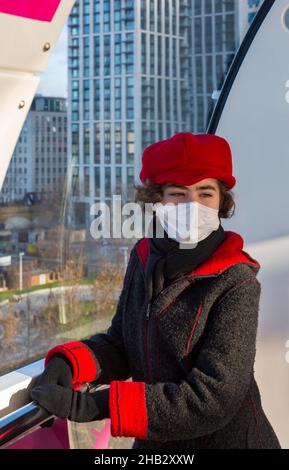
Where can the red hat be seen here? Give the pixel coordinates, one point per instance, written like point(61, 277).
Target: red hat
point(186, 158)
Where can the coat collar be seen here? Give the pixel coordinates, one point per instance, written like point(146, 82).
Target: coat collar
point(227, 254)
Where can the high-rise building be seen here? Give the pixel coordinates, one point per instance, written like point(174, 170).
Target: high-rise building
point(128, 82)
point(246, 12)
point(39, 162)
point(217, 28)
point(139, 71)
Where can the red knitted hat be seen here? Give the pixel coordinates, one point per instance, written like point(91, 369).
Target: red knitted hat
point(187, 158)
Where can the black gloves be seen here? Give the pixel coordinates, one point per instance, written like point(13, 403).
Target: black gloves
point(53, 390)
point(58, 371)
point(76, 406)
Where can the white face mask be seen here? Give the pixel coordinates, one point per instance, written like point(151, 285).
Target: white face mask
point(188, 222)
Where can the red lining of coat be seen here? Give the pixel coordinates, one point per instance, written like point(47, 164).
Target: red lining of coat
point(227, 254)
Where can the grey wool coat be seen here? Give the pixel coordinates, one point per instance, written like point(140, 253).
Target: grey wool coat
point(190, 356)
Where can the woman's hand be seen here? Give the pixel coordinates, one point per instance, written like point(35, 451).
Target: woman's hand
point(58, 371)
point(64, 402)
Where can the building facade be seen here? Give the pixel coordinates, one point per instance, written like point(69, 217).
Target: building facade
point(39, 162)
point(217, 28)
point(139, 71)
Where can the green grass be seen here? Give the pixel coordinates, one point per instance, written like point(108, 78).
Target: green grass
point(87, 315)
point(6, 295)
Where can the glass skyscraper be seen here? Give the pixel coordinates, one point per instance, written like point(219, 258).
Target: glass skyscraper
point(139, 71)
point(128, 85)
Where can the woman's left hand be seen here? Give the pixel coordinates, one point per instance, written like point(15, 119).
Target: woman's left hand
point(64, 402)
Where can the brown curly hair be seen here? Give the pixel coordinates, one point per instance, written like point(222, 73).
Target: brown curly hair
point(150, 192)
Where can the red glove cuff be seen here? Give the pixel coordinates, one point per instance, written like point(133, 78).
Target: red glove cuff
point(82, 360)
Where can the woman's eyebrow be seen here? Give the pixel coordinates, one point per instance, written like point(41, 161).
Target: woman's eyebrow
point(208, 186)
point(199, 188)
point(176, 186)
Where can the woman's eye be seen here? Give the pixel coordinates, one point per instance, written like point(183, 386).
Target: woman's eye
point(206, 194)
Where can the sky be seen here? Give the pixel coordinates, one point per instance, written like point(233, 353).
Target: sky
point(53, 82)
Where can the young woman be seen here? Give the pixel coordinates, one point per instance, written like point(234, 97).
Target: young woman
point(185, 325)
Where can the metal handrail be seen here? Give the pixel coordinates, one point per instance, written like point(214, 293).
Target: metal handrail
point(23, 415)
point(22, 422)
point(27, 418)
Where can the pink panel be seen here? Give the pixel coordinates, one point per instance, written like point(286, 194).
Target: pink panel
point(54, 437)
point(102, 437)
point(42, 10)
